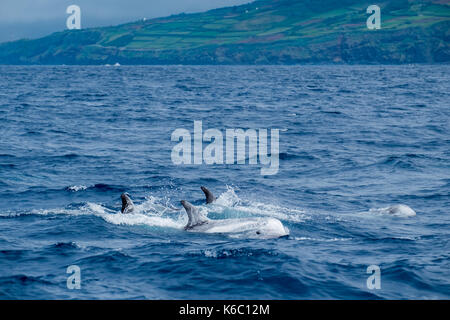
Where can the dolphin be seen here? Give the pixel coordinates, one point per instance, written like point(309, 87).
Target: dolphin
point(209, 195)
point(195, 218)
point(400, 210)
point(127, 203)
point(265, 228)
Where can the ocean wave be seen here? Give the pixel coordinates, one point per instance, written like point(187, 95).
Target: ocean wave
point(22, 279)
point(241, 252)
point(321, 239)
point(60, 198)
point(102, 187)
point(229, 203)
point(76, 188)
point(65, 245)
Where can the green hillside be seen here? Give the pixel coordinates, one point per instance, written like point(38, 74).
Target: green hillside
point(262, 32)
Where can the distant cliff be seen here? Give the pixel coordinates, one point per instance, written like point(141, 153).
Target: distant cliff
point(262, 32)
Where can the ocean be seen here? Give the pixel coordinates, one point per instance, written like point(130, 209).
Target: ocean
point(353, 140)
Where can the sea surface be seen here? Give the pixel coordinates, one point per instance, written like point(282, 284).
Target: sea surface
point(353, 141)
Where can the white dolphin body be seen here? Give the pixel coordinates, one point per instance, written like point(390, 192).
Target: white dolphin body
point(401, 210)
point(398, 210)
point(263, 228)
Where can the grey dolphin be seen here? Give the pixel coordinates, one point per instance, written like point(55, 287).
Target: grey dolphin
point(195, 218)
point(209, 195)
point(257, 227)
point(400, 210)
point(127, 203)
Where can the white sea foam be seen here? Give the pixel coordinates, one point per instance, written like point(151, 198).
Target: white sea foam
point(144, 214)
point(210, 253)
point(230, 200)
point(142, 219)
point(77, 188)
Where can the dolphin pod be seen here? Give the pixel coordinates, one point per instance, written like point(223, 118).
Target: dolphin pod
point(128, 205)
point(260, 227)
point(255, 227)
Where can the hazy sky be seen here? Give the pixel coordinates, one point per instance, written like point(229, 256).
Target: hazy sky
point(36, 18)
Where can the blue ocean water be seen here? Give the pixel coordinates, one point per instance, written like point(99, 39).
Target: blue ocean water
point(353, 140)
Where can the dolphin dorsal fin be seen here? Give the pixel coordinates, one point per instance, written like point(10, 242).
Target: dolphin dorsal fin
point(209, 195)
point(127, 203)
point(195, 218)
